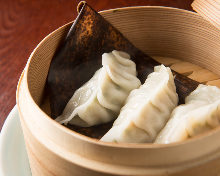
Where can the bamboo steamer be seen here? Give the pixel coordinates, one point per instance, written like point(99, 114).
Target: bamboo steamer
point(167, 33)
point(209, 9)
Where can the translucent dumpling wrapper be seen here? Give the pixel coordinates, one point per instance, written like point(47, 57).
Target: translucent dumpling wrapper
point(147, 109)
point(101, 98)
point(200, 113)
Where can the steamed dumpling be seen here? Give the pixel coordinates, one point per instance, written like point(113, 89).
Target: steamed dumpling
point(200, 113)
point(147, 109)
point(101, 98)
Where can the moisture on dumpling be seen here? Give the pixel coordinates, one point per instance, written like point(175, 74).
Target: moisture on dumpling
point(200, 113)
point(101, 98)
point(147, 109)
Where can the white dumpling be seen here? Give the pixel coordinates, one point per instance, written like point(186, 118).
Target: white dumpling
point(147, 109)
point(101, 98)
point(200, 113)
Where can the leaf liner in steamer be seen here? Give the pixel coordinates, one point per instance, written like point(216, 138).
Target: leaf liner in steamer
point(80, 55)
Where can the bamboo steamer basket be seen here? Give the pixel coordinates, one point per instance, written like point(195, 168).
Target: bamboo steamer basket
point(177, 37)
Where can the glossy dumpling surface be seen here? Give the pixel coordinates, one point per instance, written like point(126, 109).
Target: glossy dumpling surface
point(200, 113)
point(147, 109)
point(101, 98)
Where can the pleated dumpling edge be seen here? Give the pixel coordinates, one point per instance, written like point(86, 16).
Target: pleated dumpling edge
point(147, 109)
point(100, 99)
point(200, 113)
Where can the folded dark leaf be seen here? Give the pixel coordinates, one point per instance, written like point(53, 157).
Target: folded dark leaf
point(80, 56)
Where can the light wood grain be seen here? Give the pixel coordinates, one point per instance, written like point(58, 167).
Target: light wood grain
point(55, 150)
point(209, 9)
point(190, 70)
point(203, 76)
point(214, 83)
point(24, 23)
